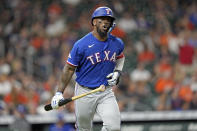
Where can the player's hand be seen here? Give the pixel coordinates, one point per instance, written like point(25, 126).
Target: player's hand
point(113, 78)
point(56, 99)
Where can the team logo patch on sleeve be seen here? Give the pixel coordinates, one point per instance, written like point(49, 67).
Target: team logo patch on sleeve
point(69, 56)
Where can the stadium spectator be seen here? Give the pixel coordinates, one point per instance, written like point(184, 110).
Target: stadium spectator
point(176, 101)
point(20, 123)
point(165, 83)
point(162, 66)
point(147, 56)
point(140, 74)
point(127, 23)
point(193, 103)
point(186, 55)
point(61, 125)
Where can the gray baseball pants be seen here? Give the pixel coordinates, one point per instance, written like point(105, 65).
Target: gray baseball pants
point(102, 103)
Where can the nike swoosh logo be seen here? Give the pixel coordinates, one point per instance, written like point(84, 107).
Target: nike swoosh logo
point(91, 45)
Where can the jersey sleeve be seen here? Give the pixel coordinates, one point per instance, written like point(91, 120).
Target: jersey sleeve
point(75, 55)
point(121, 48)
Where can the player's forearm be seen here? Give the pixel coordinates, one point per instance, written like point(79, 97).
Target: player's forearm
point(66, 76)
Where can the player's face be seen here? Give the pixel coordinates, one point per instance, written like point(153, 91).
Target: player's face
point(102, 25)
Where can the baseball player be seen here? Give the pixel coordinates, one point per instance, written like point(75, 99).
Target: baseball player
point(97, 59)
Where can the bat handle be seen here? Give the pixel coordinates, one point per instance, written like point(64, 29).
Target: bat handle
point(102, 88)
point(65, 101)
point(61, 103)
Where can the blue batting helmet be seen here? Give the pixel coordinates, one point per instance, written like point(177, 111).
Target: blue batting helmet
point(103, 11)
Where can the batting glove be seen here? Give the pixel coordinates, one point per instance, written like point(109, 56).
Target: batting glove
point(113, 78)
point(56, 99)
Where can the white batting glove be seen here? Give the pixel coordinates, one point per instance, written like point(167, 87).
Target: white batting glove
point(113, 78)
point(56, 99)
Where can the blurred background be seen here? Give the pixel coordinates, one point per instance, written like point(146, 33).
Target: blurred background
point(160, 71)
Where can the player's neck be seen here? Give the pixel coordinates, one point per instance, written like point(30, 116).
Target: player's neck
point(95, 34)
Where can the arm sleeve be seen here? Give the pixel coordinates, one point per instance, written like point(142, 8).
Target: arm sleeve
point(121, 48)
point(120, 58)
point(75, 55)
point(119, 64)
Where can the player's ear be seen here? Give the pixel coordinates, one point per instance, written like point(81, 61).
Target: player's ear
point(94, 22)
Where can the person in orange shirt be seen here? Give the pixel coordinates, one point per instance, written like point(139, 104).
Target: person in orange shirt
point(163, 66)
point(25, 97)
point(16, 96)
point(185, 93)
point(165, 83)
point(146, 56)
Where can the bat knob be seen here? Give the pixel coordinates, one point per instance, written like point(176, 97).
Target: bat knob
point(102, 87)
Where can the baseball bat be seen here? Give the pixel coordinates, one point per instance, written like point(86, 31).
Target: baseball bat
point(65, 101)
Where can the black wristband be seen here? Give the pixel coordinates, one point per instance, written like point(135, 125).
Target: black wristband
point(120, 72)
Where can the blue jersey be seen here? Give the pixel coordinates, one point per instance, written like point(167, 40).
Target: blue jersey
point(95, 59)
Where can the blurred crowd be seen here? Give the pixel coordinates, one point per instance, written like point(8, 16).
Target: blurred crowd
point(160, 37)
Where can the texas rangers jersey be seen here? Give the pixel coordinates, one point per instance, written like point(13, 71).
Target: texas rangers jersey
point(95, 59)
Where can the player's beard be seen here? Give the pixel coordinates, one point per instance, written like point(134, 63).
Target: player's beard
point(101, 33)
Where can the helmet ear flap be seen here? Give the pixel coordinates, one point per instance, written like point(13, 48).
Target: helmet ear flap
point(112, 23)
point(112, 27)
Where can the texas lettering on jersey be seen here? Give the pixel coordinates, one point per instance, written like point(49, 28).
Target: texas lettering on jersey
point(96, 58)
